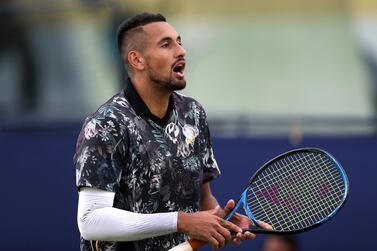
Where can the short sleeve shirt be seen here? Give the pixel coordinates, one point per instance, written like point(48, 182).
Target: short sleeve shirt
point(153, 165)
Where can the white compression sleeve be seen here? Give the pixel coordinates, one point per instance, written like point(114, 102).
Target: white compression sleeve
point(98, 220)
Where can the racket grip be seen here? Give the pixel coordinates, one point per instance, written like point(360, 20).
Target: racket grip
point(189, 245)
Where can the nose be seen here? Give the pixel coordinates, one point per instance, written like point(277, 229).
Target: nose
point(181, 52)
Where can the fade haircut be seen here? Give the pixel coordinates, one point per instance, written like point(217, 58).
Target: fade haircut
point(131, 29)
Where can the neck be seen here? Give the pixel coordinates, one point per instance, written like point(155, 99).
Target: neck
point(157, 100)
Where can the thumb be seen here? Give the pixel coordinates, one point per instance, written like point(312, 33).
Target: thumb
point(229, 206)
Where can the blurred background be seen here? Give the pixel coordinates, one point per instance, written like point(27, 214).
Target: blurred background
point(273, 75)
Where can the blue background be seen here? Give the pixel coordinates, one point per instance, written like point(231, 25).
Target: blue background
point(39, 195)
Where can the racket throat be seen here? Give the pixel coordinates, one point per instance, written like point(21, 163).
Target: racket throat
point(240, 203)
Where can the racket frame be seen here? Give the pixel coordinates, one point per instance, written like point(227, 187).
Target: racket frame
point(258, 229)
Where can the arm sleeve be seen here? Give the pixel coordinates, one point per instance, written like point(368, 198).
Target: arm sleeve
point(98, 220)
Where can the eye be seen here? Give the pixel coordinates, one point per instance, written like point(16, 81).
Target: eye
point(165, 45)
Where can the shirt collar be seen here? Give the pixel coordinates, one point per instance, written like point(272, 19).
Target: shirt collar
point(140, 107)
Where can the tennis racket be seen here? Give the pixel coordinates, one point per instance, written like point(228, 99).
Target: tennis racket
point(294, 192)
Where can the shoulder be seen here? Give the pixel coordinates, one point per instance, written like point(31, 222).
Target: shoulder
point(185, 102)
point(116, 109)
point(112, 115)
point(113, 108)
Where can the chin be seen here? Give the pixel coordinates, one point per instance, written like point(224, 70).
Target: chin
point(177, 86)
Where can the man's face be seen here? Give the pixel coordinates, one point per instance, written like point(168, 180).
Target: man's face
point(164, 56)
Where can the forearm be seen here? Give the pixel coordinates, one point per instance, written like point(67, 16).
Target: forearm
point(98, 220)
point(207, 201)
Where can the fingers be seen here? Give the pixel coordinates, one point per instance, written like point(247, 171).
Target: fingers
point(207, 226)
point(236, 241)
point(219, 236)
point(230, 226)
point(265, 225)
point(243, 236)
point(228, 207)
point(222, 236)
point(213, 242)
point(246, 236)
point(221, 239)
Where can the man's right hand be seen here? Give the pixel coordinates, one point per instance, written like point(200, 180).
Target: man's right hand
point(207, 226)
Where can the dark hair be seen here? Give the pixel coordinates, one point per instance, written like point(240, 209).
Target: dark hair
point(134, 22)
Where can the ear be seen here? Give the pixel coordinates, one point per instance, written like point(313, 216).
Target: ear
point(136, 60)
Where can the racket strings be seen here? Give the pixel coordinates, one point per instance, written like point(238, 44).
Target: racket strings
point(318, 193)
point(291, 204)
point(310, 207)
point(294, 193)
point(313, 208)
point(316, 210)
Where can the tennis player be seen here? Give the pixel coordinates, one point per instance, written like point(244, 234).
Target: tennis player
point(144, 159)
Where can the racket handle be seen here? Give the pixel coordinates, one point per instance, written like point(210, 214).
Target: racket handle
point(189, 245)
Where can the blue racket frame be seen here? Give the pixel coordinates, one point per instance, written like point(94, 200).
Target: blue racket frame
point(258, 229)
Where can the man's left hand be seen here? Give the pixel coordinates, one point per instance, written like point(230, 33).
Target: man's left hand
point(243, 222)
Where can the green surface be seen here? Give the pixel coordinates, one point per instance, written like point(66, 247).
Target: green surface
point(284, 66)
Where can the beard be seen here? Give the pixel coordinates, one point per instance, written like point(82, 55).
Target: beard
point(168, 83)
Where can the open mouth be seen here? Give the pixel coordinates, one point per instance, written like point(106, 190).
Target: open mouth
point(179, 69)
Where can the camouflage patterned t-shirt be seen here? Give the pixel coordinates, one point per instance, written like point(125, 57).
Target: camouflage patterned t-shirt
point(153, 165)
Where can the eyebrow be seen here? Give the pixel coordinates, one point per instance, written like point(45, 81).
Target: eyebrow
point(167, 39)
